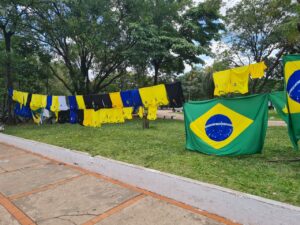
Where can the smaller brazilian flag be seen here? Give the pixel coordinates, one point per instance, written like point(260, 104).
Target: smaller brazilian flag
point(292, 86)
point(235, 126)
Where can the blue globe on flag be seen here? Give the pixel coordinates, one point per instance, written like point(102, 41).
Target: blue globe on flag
point(293, 86)
point(218, 127)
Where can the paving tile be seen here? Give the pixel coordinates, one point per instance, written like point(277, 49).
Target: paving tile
point(28, 179)
point(8, 151)
point(74, 202)
point(20, 162)
point(150, 211)
point(6, 218)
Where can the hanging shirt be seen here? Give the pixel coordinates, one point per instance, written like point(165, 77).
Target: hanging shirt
point(175, 95)
point(222, 82)
point(73, 116)
point(136, 98)
point(80, 116)
point(119, 116)
point(80, 102)
point(88, 115)
point(49, 102)
point(239, 78)
point(55, 104)
point(115, 115)
point(257, 70)
point(38, 101)
point(126, 98)
point(20, 97)
point(63, 103)
point(28, 100)
point(22, 111)
point(46, 113)
point(116, 99)
point(63, 116)
point(36, 116)
point(152, 113)
point(155, 95)
point(141, 112)
point(127, 112)
point(88, 101)
point(72, 102)
point(96, 122)
point(101, 101)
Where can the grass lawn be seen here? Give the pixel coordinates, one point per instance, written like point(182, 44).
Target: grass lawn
point(163, 148)
point(273, 115)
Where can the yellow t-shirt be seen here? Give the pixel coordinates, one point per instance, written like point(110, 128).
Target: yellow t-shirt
point(20, 97)
point(38, 101)
point(127, 112)
point(141, 112)
point(222, 82)
point(55, 104)
point(155, 95)
point(96, 122)
point(80, 102)
point(116, 100)
point(239, 79)
point(257, 70)
point(88, 116)
point(152, 113)
point(115, 115)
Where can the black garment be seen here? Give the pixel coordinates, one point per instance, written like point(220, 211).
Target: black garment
point(64, 116)
point(175, 95)
point(106, 101)
point(88, 101)
point(80, 116)
point(28, 100)
point(97, 102)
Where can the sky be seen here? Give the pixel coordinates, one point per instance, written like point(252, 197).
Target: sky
point(215, 45)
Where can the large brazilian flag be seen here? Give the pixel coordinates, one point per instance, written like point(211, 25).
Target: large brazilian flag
point(292, 84)
point(235, 126)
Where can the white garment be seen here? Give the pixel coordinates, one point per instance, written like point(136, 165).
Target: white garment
point(46, 113)
point(63, 103)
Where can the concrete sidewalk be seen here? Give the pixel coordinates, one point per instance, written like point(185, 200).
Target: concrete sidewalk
point(38, 190)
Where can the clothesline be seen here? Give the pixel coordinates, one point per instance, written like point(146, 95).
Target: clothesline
point(94, 110)
point(236, 80)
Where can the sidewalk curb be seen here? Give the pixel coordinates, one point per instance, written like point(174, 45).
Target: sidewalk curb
point(239, 207)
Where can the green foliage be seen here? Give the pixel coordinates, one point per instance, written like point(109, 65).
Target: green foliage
point(91, 38)
point(175, 33)
point(262, 30)
point(197, 84)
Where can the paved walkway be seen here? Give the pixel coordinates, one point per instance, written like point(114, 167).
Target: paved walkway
point(169, 114)
point(38, 190)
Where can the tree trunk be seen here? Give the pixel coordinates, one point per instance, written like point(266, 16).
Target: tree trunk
point(146, 123)
point(156, 69)
point(253, 88)
point(9, 83)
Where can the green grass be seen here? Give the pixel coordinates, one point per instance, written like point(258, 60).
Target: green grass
point(273, 115)
point(162, 147)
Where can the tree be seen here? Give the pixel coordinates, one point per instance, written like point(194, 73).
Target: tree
point(11, 15)
point(262, 30)
point(92, 38)
point(175, 33)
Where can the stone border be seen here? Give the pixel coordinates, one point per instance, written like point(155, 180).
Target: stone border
point(239, 207)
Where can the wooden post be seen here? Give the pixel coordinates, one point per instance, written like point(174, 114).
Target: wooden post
point(146, 122)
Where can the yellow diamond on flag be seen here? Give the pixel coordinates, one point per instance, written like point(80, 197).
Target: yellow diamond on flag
point(219, 126)
point(292, 79)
